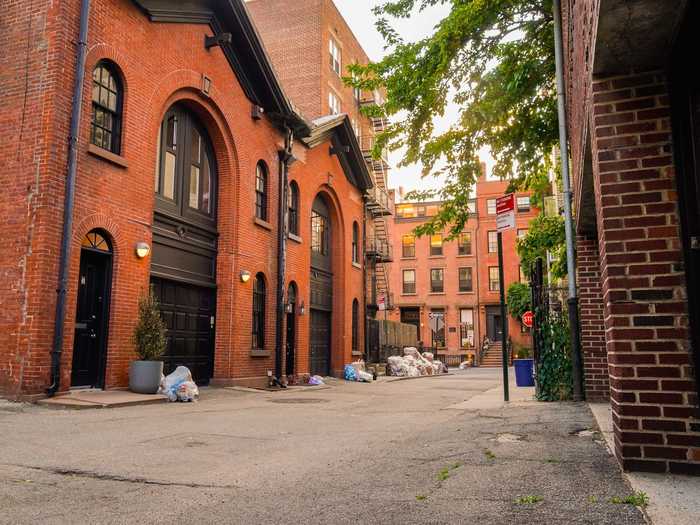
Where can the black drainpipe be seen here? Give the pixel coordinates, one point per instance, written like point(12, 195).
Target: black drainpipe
point(285, 158)
point(69, 199)
point(364, 278)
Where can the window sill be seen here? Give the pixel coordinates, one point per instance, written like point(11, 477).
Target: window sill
point(436, 257)
point(259, 353)
point(357, 265)
point(408, 258)
point(465, 255)
point(356, 353)
point(436, 293)
point(408, 294)
point(466, 293)
point(263, 224)
point(294, 238)
point(103, 154)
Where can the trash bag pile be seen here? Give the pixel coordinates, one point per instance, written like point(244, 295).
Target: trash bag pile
point(357, 371)
point(413, 364)
point(315, 381)
point(178, 386)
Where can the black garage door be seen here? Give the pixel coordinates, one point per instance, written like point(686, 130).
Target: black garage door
point(320, 342)
point(189, 315)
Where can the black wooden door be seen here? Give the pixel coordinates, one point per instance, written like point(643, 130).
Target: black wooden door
point(320, 342)
point(494, 325)
point(189, 315)
point(290, 342)
point(91, 320)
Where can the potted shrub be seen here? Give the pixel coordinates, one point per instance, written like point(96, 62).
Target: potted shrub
point(149, 342)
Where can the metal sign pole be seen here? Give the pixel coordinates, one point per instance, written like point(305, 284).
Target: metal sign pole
point(504, 319)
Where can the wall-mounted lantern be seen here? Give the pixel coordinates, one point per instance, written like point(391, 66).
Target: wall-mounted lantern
point(302, 308)
point(245, 276)
point(142, 250)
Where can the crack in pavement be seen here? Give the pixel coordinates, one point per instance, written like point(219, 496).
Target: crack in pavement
point(115, 477)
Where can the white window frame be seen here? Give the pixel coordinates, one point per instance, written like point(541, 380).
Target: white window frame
point(334, 103)
point(336, 55)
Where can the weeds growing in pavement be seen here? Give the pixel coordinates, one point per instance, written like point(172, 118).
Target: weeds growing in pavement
point(528, 500)
point(638, 499)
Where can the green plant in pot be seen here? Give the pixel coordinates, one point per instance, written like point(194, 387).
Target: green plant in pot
point(149, 342)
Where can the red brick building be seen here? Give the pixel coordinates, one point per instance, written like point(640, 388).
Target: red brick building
point(633, 118)
point(311, 45)
point(181, 151)
point(450, 289)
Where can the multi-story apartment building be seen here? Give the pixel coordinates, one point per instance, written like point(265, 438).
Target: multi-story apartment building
point(450, 289)
point(311, 45)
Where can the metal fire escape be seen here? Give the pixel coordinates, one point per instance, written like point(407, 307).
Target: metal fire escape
point(379, 248)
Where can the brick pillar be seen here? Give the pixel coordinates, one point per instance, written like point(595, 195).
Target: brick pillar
point(651, 380)
point(595, 357)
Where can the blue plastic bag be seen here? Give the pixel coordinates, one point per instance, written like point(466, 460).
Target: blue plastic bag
point(350, 373)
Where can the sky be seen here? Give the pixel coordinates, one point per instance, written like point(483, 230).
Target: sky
point(359, 16)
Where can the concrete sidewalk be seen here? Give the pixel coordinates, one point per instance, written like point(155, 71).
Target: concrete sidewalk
point(673, 500)
point(87, 399)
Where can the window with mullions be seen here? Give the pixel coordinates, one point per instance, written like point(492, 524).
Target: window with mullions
point(408, 246)
point(319, 233)
point(436, 244)
point(494, 279)
point(437, 280)
point(355, 325)
point(261, 191)
point(106, 108)
point(355, 242)
point(464, 243)
point(293, 208)
point(409, 281)
point(493, 241)
point(523, 204)
point(491, 206)
point(335, 55)
point(259, 312)
point(185, 175)
point(465, 280)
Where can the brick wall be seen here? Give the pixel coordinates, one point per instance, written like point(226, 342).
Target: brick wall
point(651, 379)
point(119, 197)
point(595, 359)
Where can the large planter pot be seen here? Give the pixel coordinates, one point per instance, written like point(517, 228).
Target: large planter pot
point(144, 376)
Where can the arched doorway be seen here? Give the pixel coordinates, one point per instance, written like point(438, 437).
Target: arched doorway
point(92, 312)
point(291, 339)
point(183, 265)
point(321, 307)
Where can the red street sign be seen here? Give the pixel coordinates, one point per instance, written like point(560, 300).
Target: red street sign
point(527, 319)
point(505, 212)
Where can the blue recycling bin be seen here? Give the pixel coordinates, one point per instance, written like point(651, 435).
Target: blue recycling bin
point(524, 375)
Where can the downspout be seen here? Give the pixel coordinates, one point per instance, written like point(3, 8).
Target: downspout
point(477, 322)
point(364, 277)
point(68, 203)
point(576, 360)
point(285, 157)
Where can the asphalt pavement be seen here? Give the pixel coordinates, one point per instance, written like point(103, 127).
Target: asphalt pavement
point(430, 450)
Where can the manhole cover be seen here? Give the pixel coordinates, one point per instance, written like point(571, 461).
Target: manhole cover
point(300, 401)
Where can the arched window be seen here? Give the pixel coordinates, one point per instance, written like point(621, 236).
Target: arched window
point(105, 131)
point(261, 191)
point(355, 242)
point(293, 208)
point(95, 240)
point(185, 170)
point(355, 325)
point(259, 312)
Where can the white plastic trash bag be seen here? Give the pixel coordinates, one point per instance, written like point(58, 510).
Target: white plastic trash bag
point(171, 383)
point(364, 376)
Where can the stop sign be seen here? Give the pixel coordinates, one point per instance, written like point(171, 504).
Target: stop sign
point(527, 319)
